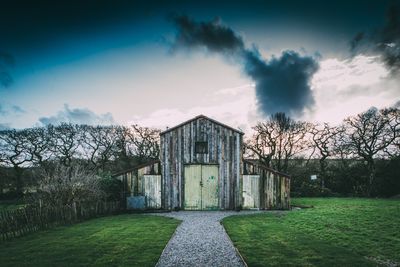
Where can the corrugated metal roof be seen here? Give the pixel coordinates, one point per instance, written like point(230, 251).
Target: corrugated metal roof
point(263, 166)
point(201, 117)
point(136, 167)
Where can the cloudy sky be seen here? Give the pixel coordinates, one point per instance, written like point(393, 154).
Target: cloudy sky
point(158, 63)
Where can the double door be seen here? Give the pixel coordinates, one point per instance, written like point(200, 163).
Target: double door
point(201, 187)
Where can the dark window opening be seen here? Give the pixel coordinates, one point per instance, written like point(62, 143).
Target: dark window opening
point(201, 147)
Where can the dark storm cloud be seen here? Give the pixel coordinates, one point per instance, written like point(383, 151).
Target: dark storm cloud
point(78, 116)
point(212, 35)
point(384, 41)
point(282, 83)
point(357, 40)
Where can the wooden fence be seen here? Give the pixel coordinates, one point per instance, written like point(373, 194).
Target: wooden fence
point(14, 223)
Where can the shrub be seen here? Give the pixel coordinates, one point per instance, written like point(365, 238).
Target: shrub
point(63, 185)
point(111, 187)
point(309, 189)
point(11, 195)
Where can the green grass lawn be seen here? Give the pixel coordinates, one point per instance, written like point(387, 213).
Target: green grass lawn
point(336, 232)
point(123, 240)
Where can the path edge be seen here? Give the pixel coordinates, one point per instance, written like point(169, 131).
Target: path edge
point(172, 236)
point(230, 240)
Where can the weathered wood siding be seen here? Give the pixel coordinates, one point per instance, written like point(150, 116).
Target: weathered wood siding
point(251, 191)
point(224, 149)
point(152, 190)
point(133, 179)
point(274, 186)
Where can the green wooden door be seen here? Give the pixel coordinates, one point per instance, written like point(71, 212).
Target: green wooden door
point(201, 187)
point(192, 187)
point(209, 194)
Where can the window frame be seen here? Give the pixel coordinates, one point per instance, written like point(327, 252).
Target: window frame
point(202, 144)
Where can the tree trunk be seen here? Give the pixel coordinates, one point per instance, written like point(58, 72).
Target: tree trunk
point(18, 179)
point(322, 165)
point(2, 182)
point(285, 165)
point(371, 177)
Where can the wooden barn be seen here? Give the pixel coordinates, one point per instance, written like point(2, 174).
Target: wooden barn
point(201, 167)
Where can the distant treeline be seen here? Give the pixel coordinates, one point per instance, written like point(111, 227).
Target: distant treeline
point(361, 156)
point(102, 149)
point(358, 157)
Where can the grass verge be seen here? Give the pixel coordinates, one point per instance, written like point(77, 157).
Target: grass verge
point(336, 232)
point(123, 240)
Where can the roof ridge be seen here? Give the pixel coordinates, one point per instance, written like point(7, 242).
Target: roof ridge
point(198, 117)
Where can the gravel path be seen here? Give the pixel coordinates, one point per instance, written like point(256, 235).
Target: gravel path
point(200, 240)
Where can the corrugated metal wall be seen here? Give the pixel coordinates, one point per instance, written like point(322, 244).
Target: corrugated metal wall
point(224, 149)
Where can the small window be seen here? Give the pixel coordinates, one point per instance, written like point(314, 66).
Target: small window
point(201, 147)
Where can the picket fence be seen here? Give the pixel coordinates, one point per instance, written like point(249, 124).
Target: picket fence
point(19, 222)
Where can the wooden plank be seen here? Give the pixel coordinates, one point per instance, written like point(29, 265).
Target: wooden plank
point(152, 191)
point(251, 191)
point(209, 195)
point(192, 187)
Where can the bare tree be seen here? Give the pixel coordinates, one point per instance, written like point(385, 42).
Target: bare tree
point(38, 142)
point(143, 142)
point(262, 145)
point(122, 151)
point(99, 144)
point(393, 115)
point(323, 138)
point(15, 154)
point(278, 140)
point(65, 141)
point(370, 134)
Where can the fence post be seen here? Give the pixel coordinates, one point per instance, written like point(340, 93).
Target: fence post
point(74, 211)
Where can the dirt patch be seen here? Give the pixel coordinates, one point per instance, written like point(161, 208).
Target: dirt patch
point(383, 262)
point(302, 206)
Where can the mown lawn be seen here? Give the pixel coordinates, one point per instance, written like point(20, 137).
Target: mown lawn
point(336, 232)
point(123, 240)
